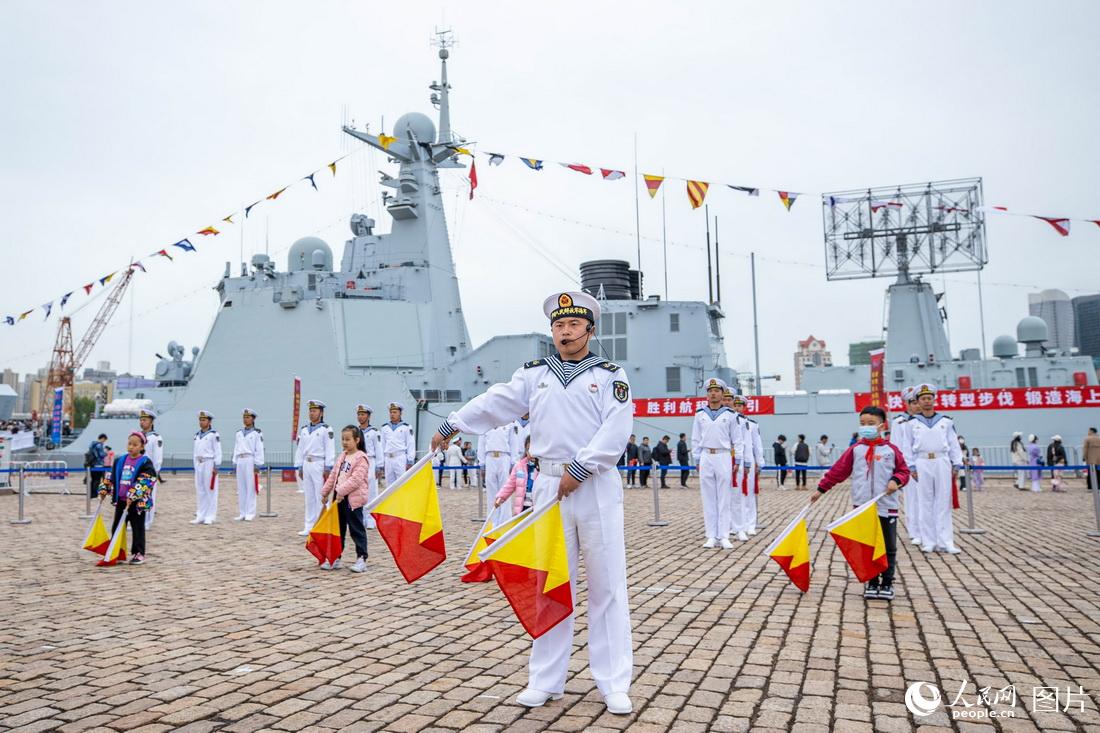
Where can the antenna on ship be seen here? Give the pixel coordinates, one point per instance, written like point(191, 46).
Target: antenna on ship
point(444, 40)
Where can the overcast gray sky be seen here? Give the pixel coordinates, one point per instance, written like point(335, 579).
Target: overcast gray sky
point(128, 125)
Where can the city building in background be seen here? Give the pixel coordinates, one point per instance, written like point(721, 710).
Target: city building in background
point(811, 353)
point(1054, 307)
point(1086, 322)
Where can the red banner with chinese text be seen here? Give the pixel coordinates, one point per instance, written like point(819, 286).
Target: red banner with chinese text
point(878, 386)
point(297, 409)
point(1007, 398)
point(688, 406)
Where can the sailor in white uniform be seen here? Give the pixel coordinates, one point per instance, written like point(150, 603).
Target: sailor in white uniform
point(208, 456)
point(494, 454)
point(154, 449)
point(899, 436)
point(521, 431)
point(372, 438)
point(935, 447)
point(398, 444)
point(715, 433)
point(752, 462)
point(314, 456)
point(581, 416)
point(248, 460)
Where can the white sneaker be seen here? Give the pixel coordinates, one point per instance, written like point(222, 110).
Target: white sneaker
point(752, 532)
point(927, 548)
point(208, 521)
point(952, 550)
point(742, 537)
point(304, 533)
point(249, 518)
point(618, 703)
point(536, 698)
point(916, 540)
point(359, 566)
point(238, 519)
point(326, 566)
point(726, 545)
point(337, 565)
point(196, 520)
point(709, 544)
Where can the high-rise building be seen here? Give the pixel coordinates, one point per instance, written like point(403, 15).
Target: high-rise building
point(859, 352)
point(811, 353)
point(1086, 322)
point(1054, 307)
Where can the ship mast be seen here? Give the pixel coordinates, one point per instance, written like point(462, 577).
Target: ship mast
point(441, 98)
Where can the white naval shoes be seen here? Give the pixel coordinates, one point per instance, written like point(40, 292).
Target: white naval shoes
point(238, 519)
point(726, 544)
point(196, 520)
point(536, 698)
point(952, 550)
point(752, 532)
point(742, 537)
point(916, 540)
point(709, 544)
point(249, 518)
point(927, 548)
point(618, 703)
point(304, 533)
point(208, 521)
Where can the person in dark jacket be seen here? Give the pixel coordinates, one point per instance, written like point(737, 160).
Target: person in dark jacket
point(780, 450)
point(96, 460)
point(801, 460)
point(683, 458)
point(631, 459)
point(1056, 454)
point(663, 455)
point(645, 461)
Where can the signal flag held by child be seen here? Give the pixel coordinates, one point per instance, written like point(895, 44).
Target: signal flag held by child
point(877, 469)
point(130, 484)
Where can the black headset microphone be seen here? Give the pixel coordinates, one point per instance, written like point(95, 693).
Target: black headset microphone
point(587, 330)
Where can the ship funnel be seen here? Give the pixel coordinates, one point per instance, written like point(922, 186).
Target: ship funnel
point(613, 277)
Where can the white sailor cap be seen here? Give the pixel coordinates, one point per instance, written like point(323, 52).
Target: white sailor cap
point(316, 403)
point(924, 388)
point(1017, 434)
point(207, 414)
point(908, 393)
point(147, 412)
point(571, 304)
point(248, 411)
point(739, 399)
point(1056, 438)
point(716, 382)
point(361, 407)
point(396, 405)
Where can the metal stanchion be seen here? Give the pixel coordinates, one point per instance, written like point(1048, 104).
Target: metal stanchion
point(970, 528)
point(657, 521)
point(1095, 498)
point(22, 494)
point(267, 486)
point(87, 494)
point(481, 515)
point(759, 524)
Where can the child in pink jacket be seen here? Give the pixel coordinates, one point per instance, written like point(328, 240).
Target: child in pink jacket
point(350, 479)
point(520, 481)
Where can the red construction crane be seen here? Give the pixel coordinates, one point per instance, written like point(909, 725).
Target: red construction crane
point(66, 361)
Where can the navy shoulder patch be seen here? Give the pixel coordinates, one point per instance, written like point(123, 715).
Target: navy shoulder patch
point(257, 430)
point(621, 390)
point(217, 437)
point(533, 363)
point(160, 442)
point(609, 367)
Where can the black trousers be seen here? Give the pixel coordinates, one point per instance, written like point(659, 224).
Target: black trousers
point(664, 472)
point(782, 473)
point(1094, 480)
point(643, 474)
point(439, 481)
point(137, 527)
point(352, 519)
point(684, 474)
point(95, 475)
point(799, 475)
point(630, 476)
point(890, 535)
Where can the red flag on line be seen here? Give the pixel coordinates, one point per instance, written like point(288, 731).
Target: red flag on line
point(473, 177)
point(579, 168)
point(611, 175)
point(1060, 225)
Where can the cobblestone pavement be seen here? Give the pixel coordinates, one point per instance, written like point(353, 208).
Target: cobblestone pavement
point(232, 627)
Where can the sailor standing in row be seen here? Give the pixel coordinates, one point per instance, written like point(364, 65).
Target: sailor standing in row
point(715, 433)
point(935, 446)
point(899, 436)
point(398, 444)
point(581, 416)
point(313, 458)
point(154, 450)
point(208, 456)
point(372, 438)
point(248, 460)
point(752, 461)
point(494, 455)
point(522, 431)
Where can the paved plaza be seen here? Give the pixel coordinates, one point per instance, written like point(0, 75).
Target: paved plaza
point(232, 627)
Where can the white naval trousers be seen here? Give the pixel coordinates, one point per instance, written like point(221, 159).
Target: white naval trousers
point(934, 490)
point(206, 490)
point(715, 486)
point(593, 520)
point(751, 479)
point(913, 523)
point(395, 466)
point(372, 493)
point(313, 479)
point(497, 469)
point(152, 508)
point(246, 487)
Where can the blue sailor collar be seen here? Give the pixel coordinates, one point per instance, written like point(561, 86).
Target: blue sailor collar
point(565, 374)
point(929, 421)
point(714, 414)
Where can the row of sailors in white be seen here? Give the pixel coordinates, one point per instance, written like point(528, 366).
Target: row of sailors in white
point(581, 415)
point(154, 450)
point(497, 451)
point(207, 457)
point(248, 459)
point(930, 445)
point(750, 455)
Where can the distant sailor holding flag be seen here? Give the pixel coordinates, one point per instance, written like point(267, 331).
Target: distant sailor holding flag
point(581, 415)
point(248, 459)
point(154, 450)
point(208, 456)
point(372, 437)
point(313, 459)
point(934, 447)
point(398, 444)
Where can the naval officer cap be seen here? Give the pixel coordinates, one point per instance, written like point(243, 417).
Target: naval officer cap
point(316, 403)
point(249, 412)
point(207, 414)
point(364, 408)
point(571, 305)
point(739, 399)
point(714, 382)
point(396, 406)
point(925, 388)
point(147, 412)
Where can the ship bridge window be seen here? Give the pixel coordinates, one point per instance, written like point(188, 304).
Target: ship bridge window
point(1028, 377)
point(432, 395)
point(453, 395)
point(611, 343)
point(672, 379)
point(674, 322)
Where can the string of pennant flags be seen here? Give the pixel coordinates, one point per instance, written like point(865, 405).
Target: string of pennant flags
point(182, 246)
